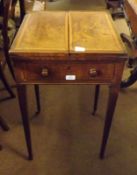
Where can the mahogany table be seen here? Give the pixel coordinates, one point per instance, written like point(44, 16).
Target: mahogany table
point(79, 47)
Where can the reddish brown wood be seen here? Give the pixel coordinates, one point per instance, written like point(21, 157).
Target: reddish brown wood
point(113, 95)
point(21, 90)
point(57, 71)
point(3, 124)
point(54, 59)
point(130, 9)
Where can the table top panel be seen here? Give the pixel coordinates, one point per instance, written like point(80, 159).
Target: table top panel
point(57, 33)
point(42, 32)
point(93, 32)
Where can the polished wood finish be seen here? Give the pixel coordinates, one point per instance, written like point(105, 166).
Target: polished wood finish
point(95, 36)
point(94, 32)
point(130, 7)
point(3, 124)
point(30, 72)
point(21, 90)
point(37, 94)
point(113, 95)
point(68, 48)
point(37, 52)
point(97, 91)
point(44, 36)
point(131, 11)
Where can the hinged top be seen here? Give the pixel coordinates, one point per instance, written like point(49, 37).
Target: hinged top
point(66, 33)
point(42, 32)
point(93, 32)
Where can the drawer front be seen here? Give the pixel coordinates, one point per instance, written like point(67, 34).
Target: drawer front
point(66, 72)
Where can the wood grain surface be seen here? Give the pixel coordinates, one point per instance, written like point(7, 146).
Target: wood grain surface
point(94, 32)
point(54, 33)
point(42, 32)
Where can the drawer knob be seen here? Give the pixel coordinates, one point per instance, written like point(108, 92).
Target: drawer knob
point(93, 72)
point(44, 72)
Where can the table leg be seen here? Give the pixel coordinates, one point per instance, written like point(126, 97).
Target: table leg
point(3, 124)
point(37, 94)
point(22, 96)
point(97, 90)
point(113, 95)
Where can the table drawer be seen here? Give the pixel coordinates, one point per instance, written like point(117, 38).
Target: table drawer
point(66, 72)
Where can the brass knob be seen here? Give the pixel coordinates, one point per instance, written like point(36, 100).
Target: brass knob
point(44, 72)
point(93, 72)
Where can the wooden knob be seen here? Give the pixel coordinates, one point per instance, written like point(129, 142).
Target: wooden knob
point(93, 72)
point(44, 72)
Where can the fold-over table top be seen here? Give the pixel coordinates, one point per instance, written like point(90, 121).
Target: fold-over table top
point(93, 32)
point(64, 33)
point(42, 32)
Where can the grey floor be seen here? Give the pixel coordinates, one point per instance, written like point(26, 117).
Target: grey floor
point(66, 137)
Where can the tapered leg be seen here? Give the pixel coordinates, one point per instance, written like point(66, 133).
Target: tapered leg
point(3, 124)
point(7, 86)
point(21, 89)
point(113, 95)
point(97, 90)
point(37, 98)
